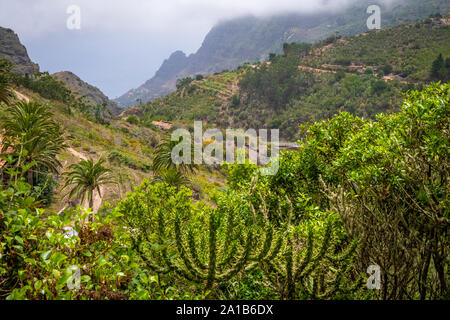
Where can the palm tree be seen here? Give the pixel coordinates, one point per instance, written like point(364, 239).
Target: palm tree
point(163, 159)
point(172, 177)
point(5, 91)
point(85, 178)
point(28, 128)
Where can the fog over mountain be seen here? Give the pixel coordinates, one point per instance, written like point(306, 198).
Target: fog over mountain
point(233, 42)
point(122, 44)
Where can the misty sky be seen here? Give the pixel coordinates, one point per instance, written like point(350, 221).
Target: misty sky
point(122, 43)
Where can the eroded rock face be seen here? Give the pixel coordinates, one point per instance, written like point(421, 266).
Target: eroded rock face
point(12, 50)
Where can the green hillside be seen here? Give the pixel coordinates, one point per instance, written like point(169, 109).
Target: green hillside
point(91, 94)
point(231, 43)
point(407, 50)
point(94, 207)
point(128, 147)
point(364, 75)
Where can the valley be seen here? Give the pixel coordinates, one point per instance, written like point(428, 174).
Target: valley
point(95, 206)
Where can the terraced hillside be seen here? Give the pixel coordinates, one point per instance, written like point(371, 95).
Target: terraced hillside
point(365, 75)
point(248, 39)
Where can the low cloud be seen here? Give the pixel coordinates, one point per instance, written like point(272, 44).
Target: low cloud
point(122, 43)
point(39, 17)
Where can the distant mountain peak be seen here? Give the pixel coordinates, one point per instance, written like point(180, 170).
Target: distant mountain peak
point(83, 89)
point(13, 50)
point(231, 43)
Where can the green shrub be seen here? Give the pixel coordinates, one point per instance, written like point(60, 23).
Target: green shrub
point(133, 120)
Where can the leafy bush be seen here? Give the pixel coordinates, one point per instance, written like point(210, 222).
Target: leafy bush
point(120, 158)
point(133, 120)
point(47, 86)
point(37, 254)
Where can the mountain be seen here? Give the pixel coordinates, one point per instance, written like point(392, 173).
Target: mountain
point(365, 75)
point(231, 43)
point(160, 85)
point(12, 50)
point(92, 94)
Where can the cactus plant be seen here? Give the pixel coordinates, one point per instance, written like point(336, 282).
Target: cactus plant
point(211, 253)
point(313, 275)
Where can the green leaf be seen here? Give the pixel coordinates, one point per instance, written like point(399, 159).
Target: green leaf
point(87, 253)
point(37, 285)
point(45, 255)
point(19, 239)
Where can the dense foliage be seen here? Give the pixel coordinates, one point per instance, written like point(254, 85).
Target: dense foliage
point(357, 193)
point(367, 186)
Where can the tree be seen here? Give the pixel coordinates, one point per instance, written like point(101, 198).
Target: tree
point(314, 276)
point(201, 245)
point(28, 128)
point(390, 188)
point(102, 112)
point(172, 177)
point(437, 67)
point(368, 71)
point(85, 178)
point(184, 82)
point(298, 49)
point(163, 159)
point(5, 91)
point(387, 69)
point(133, 120)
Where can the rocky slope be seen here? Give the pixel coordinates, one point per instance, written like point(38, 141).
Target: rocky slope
point(92, 94)
point(12, 50)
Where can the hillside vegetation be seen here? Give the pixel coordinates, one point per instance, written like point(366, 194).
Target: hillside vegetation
point(91, 133)
point(248, 39)
point(364, 75)
point(91, 94)
point(336, 206)
point(93, 207)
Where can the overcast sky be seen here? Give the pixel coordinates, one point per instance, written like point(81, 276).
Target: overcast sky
point(122, 43)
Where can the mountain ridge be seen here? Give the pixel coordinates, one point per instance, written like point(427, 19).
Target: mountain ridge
point(365, 75)
point(234, 42)
point(80, 88)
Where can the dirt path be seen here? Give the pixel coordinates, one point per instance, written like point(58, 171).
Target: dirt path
point(77, 154)
point(316, 70)
point(97, 198)
point(357, 68)
point(21, 96)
